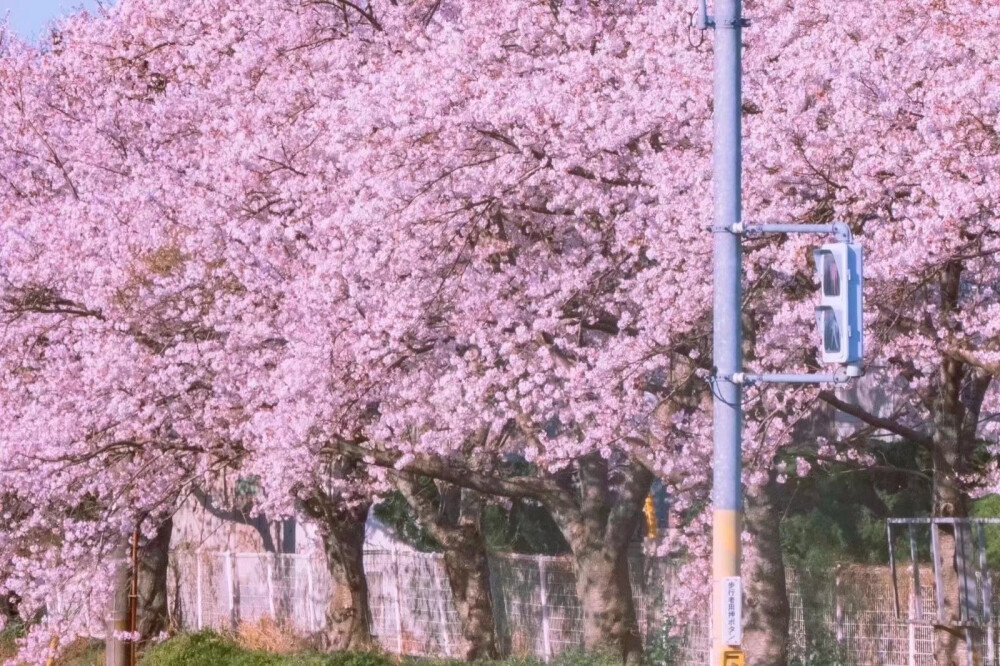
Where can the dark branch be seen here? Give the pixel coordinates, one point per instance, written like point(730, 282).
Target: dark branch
point(239, 515)
point(543, 490)
point(876, 421)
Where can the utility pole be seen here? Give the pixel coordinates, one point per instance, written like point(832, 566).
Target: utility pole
point(727, 338)
point(839, 317)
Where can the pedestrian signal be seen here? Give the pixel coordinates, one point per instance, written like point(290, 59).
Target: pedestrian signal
point(839, 314)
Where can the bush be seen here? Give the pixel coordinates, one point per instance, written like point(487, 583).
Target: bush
point(8, 639)
point(663, 647)
point(205, 648)
point(822, 650)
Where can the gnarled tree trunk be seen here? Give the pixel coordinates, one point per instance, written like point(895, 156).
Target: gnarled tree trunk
point(451, 515)
point(468, 572)
point(151, 602)
point(609, 619)
point(599, 528)
point(150, 578)
point(341, 525)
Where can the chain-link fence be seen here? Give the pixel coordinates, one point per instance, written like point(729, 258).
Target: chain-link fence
point(846, 615)
point(534, 597)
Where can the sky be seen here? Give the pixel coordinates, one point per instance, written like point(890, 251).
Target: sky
point(29, 17)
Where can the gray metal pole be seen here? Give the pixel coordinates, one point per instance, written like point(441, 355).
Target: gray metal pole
point(727, 496)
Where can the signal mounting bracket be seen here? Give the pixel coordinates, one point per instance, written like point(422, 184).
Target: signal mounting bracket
point(838, 230)
point(841, 376)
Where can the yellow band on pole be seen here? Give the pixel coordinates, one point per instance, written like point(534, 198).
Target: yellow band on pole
point(727, 588)
point(650, 510)
point(52, 644)
point(726, 530)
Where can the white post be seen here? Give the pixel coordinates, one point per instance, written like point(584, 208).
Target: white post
point(230, 587)
point(544, 601)
point(839, 609)
point(201, 618)
point(442, 616)
point(911, 635)
point(395, 601)
point(310, 615)
point(270, 585)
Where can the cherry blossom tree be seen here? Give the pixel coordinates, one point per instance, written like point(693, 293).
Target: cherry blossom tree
point(880, 116)
point(114, 392)
point(310, 239)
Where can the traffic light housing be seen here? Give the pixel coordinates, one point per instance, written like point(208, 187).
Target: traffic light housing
point(839, 314)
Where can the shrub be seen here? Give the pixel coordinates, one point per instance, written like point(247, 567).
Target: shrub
point(205, 648)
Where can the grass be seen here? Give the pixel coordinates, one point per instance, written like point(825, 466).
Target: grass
point(207, 648)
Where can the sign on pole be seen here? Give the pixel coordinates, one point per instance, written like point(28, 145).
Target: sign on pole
point(732, 603)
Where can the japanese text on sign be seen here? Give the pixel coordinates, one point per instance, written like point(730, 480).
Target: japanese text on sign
point(732, 600)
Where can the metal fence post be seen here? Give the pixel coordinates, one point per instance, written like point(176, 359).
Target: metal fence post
point(935, 560)
point(544, 601)
point(395, 601)
point(442, 615)
point(270, 585)
point(310, 611)
point(230, 587)
point(839, 607)
point(198, 574)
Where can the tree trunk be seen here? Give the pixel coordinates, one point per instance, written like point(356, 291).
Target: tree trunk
point(947, 503)
point(949, 456)
point(765, 625)
point(348, 617)
point(451, 515)
point(151, 605)
point(117, 652)
point(599, 529)
point(948, 639)
point(468, 572)
point(602, 585)
point(150, 577)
